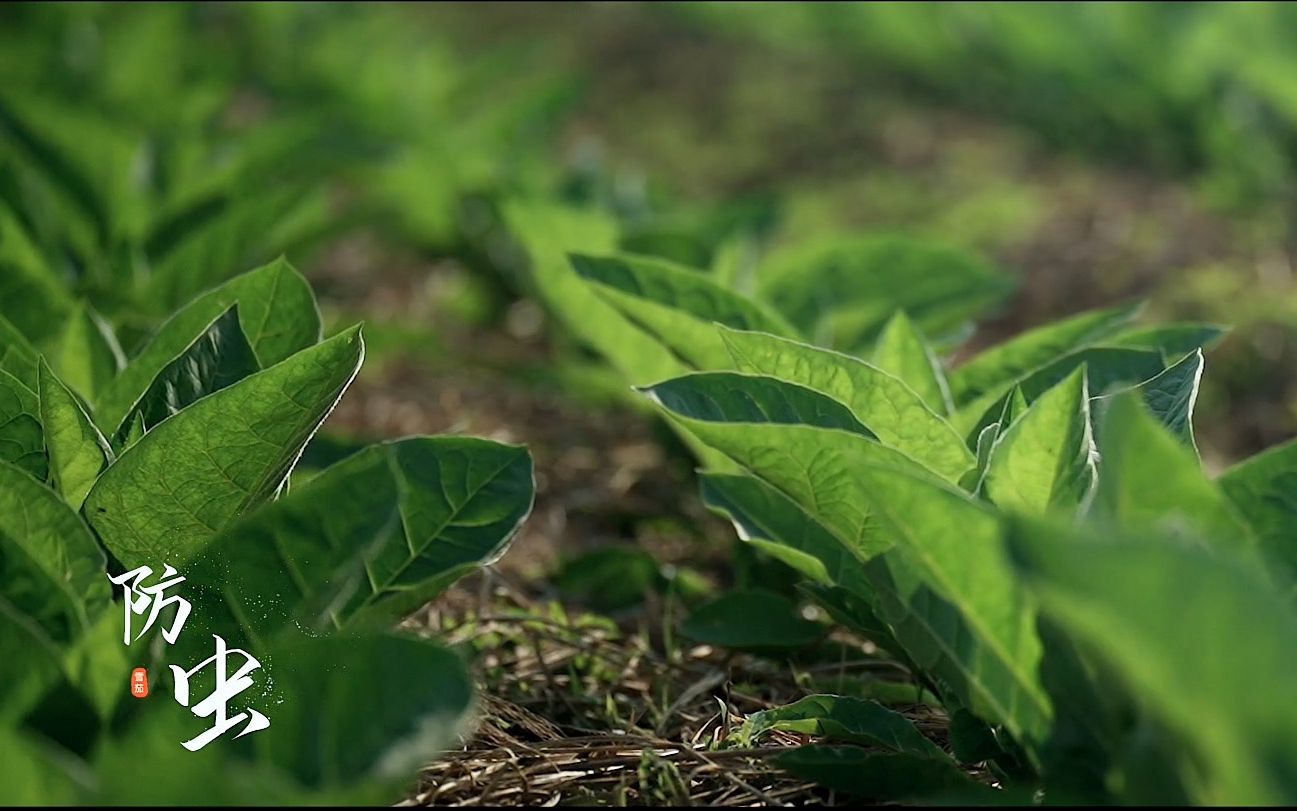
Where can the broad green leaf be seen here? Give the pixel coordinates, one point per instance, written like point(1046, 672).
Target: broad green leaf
point(371, 538)
point(549, 234)
point(1106, 368)
point(816, 467)
point(86, 352)
point(32, 297)
point(881, 402)
point(362, 709)
point(78, 453)
point(842, 292)
point(892, 777)
point(734, 263)
point(276, 310)
point(1264, 491)
point(844, 720)
point(98, 663)
point(54, 571)
point(752, 620)
point(194, 473)
point(1093, 720)
point(1016, 405)
point(975, 478)
point(1174, 341)
point(951, 545)
point(351, 719)
point(1013, 360)
point(903, 352)
point(132, 431)
point(1013, 406)
point(677, 304)
point(950, 602)
point(84, 158)
point(219, 357)
point(1045, 461)
point(36, 774)
point(1171, 395)
point(730, 397)
point(1149, 480)
point(1199, 637)
point(30, 660)
point(770, 520)
point(280, 219)
point(610, 578)
point(22, 442)
point(17, 356)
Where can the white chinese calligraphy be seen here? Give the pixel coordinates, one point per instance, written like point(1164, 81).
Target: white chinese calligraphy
point(227, 687)
point(140, 598)
point(148, 601)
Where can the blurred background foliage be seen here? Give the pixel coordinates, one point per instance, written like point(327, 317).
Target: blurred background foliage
point(1098, 152)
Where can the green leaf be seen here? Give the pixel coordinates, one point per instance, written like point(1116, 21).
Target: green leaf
point(351, 719)
point(1045, 460)
point(903, 352)
point(1149, 480)
point(730, 397)
point(1013, 406)
point(78, 453)
point(281, 218)
point(219, 357)
point(194, 473)
point(974, 479)
point(998, 367)
point(53, 575)
point(752, 620)
point(771, 521)
point(36, 774)
point(362, 708)
point(677, 304)
point(818, 468)
point(869, 775)
point(845, 720)
point(1214, 664)
point(369, 539)
point(610, 579)
point(22, 441)
point(32, 297)
point(951, 545)
point(1171, 395)
point(927, 628)
point(17, 356)
point(842, 292)
point(277, 312)
point(1106, 368)
point(98, 664)
point(882, 403)
point(1174, 341)
point(86, 352)
point(1263, 489)
point(947, 590)
point(549, 234)
point(132, 432)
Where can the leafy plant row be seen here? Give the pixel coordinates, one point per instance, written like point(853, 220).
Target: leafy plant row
point(184, 456)
point(1030, 531)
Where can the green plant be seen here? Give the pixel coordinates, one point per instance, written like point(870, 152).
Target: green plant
point(1031, 533)
point(184, 459)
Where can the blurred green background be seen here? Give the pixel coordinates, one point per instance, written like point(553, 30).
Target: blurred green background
point(1099, 152)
